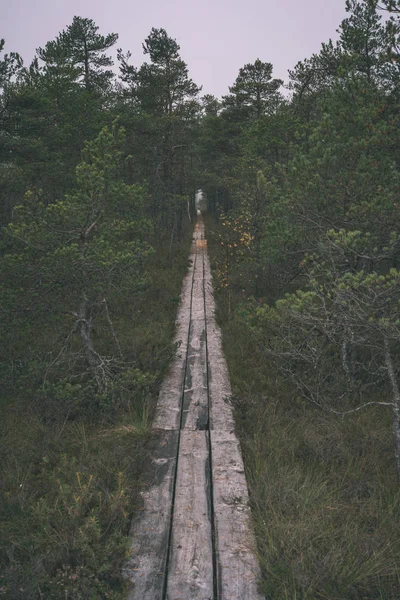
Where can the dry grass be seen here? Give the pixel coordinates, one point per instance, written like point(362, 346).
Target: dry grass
point(324, 490)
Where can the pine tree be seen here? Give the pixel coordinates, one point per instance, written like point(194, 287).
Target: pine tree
point(67, 257)
point(254, 92)
point(364, 42)
point(161, 101)
point(85, 49)
point(164, 85)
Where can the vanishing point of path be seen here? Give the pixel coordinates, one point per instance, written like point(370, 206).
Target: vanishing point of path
point(192, 540)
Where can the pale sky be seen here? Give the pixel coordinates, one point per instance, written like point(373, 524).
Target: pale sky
point(217, 37)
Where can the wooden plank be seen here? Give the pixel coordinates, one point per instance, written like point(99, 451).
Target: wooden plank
point(199, 228)
point(195, 399)
point(214, 339)
point(221, 414)
point(198, 271)
point(190, 576)
point(146, 566)
point(198, 291)
point(207, 267)
point(220, 391)
point(198, 275)
point(197, 312)
point(186, 295)
point(200, 253)
point(237, 566)
point(170, 397)
point(196, 307)
point(209, 298)
point(182, 324)
point(189, 273)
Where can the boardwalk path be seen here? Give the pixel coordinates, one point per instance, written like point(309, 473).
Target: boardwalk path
point(192, 540)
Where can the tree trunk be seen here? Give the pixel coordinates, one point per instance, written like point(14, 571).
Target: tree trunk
point(347, 352)
point(93, 359)
point(87, 71)
point(396, 400)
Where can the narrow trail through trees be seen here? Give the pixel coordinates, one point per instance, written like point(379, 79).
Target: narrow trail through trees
point(193, 539)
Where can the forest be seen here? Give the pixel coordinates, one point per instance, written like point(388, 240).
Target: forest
point(99, 167)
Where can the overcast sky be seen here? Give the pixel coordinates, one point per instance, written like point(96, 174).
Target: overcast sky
point(217, 37)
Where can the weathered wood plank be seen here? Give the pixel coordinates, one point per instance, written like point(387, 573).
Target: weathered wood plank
point(201, 251)
point(220, 391)
point(195, 398)
point(190, 575)
point(209, 298)
point(221, 414)
point(198, 233)
point(199, 230)
point(198, 275)
point(207, 267)
point(208, 284)
point(184, 306)
point(170, 397)
point(196, 313)
point(237, 567)
point(198, 290)
point(146, 567)
point(189, 274)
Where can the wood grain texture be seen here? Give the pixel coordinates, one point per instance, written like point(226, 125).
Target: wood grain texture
point(190, 575)
point(220, 391)
point(207, 267)
point(145, 569)
point(182, 320)
point(201, 254)
point(170, 397)
point(208, 286)
point(237, 567)
point(195, 399)
point(198, 292)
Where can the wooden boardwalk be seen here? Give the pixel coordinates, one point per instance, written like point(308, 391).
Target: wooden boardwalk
point(192, 540)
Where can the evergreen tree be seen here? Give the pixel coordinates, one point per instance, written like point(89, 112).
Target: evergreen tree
point(364, 41)
point(59, 74)
point(68, 256)
point(85, 49)
point(254, 92)
point(165, 108)
point(10, 66)
point(164, 85)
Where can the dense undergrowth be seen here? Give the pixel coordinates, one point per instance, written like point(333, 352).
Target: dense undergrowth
point(324, 490)
point(70, 484)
